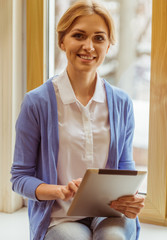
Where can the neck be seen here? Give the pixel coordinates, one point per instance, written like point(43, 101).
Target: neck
point(83, 84)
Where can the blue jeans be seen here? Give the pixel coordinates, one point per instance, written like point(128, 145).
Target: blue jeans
point(98, 228)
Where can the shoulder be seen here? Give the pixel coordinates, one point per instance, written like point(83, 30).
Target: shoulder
point(120, 106)
point(38, 102)
point(41, 92)
point(118, 95)
point(40, 95)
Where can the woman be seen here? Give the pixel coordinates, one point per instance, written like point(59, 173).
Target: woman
point(74, 121)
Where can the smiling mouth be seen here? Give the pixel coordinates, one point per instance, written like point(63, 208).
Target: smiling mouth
point(86, 57)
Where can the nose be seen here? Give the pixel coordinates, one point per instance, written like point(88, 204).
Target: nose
point(88, 45)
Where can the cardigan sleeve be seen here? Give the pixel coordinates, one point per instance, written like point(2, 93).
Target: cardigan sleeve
point(126, 158)
point(27, 146)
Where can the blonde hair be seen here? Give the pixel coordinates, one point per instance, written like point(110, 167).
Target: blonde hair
point(84, 8)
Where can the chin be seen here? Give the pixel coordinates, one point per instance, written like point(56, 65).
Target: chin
point(86, 68)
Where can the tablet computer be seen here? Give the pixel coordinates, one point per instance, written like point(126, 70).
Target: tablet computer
point(101, 186)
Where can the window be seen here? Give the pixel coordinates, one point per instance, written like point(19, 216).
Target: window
point(127, 64)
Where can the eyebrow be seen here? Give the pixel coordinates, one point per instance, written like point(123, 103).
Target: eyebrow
point(79, 30)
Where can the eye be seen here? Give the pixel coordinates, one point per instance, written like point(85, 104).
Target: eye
point(99, 38)
point(78, 36)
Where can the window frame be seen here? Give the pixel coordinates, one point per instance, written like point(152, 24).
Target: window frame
point(35, 22)
point(155, 210)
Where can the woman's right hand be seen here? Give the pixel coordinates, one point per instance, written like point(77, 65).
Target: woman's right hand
point(68, 191)
point(53, 192)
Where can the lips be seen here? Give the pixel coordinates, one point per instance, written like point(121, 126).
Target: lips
point(86, 57)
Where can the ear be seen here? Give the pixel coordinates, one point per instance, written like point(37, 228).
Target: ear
point(62, 46)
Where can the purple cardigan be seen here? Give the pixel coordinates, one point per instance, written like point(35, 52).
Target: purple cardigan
point(37, 146)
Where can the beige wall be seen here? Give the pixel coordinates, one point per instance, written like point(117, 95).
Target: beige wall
point(10, 94)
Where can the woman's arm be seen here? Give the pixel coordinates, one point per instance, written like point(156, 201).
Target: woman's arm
point(130, 206)
point(27, 144)
point(53, 192)
point(126, 157)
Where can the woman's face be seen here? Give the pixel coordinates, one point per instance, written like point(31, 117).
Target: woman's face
point(86, 44)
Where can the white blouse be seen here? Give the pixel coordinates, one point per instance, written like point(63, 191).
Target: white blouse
point(84, 136)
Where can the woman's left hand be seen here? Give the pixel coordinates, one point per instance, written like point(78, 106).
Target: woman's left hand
point(130, 206)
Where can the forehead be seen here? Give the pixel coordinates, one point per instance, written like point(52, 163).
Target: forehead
point(92, 23)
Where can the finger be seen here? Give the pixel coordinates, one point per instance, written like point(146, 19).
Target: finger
point(131, 205)
point(68, 196)
point(77, 182)
point(72, 186)
point(67, 193)
point(131, 212)
point(129, 209)
point(134, 198)
point(128, 214)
